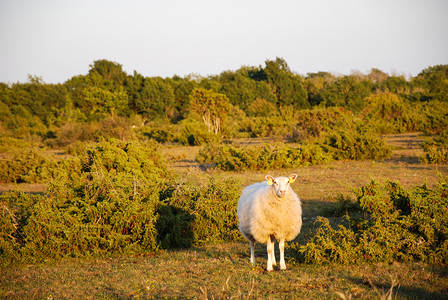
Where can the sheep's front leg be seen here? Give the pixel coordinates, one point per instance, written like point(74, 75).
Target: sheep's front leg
point(281, 246)
point(252, 252)
point(271, 257)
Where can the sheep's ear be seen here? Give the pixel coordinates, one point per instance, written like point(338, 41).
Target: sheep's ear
point(270, 179)
point(292, 178)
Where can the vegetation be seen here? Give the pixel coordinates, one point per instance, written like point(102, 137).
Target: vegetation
point(112, 190)
point(117, 197)
point(396, 225)
point(436, 148)
point(249, 102)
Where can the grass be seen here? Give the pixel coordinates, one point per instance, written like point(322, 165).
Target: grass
point(217, 271)
point(223, 271)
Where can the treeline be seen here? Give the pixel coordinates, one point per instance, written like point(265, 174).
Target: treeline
point(37, 108)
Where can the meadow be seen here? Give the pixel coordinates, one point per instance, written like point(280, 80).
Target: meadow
point(221, 270)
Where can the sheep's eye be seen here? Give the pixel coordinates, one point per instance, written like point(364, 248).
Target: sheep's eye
point(275, 183)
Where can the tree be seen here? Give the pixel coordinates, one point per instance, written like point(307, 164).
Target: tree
point(315, 83)
point(152, 97)
point(285, 85)
point(435, 81)
point(103, 102)
point(212, 106)
point(347, 91)
point(104, 72)
point(242, 90)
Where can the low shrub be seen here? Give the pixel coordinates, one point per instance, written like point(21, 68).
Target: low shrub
point(356, 145)
point(195, 133)
point(342, 144)
point(274, 126)
point(398, 225)
point(436, 149)
point(262, 157)
point(197, 215)
point(162, 133)
point(7, 143)
point(112, 127)
point(25, 165)
point(104, 201)
point(117, 197)
point(388, 113)
point(315, 122)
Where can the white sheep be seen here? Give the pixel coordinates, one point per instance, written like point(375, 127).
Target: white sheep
point(270, 211)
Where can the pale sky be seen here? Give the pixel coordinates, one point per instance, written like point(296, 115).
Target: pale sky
point(59, 39)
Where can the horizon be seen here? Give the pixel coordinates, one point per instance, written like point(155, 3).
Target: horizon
point(56, 40)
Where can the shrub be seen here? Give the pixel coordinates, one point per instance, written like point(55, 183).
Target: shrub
point(334, 145)
point(436, 149)
point(261, 157)
point(162, 133)
point(346, 144)
point(398, 225)
point(8, 143)
point(15, 208)
point(317, 121)
point(117, 197)
point(201, 214)
point(194, 133)
point(25, 165)
point(388, 113)
point(277, 126)
point(104, 201)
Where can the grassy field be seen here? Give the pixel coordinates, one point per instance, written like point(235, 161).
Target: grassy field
point(223, 271)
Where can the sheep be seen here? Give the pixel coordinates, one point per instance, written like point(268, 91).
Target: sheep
point(269, 211)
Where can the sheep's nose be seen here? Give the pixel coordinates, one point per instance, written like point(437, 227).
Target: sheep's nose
point(282, 193)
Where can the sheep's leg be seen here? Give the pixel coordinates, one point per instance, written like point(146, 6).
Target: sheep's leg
point(252, 252)
point(281, 246)
point(270, 248)
point(274, 261)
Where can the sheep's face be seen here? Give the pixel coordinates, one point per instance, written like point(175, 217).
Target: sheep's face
point(280, 185)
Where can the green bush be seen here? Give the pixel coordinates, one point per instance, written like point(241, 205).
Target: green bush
point(346, 144)
point(103, 201)
point(262, 157)
point(436, 149)
point(25, 165)
point(398, 225)
point(7, 143)
point(333, 145)
point(194, 133)
point(162, 133)
point(15, 208)
point(388, 113)
point(317, 121)
point(117, 197)
point(266, 126)
point(201, 214)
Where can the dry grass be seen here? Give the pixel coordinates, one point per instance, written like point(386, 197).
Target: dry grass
point(223, 271)
point(219, 272)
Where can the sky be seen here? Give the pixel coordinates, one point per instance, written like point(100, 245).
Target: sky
point(59, 39)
